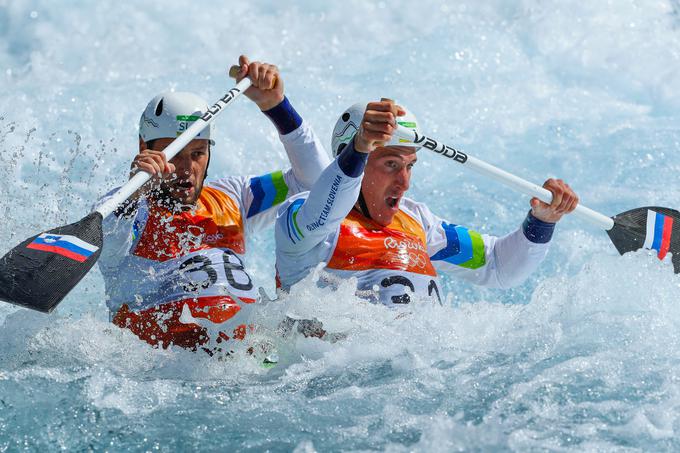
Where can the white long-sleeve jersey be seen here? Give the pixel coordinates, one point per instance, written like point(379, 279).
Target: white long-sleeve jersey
point(170, 278)
point(399, 261)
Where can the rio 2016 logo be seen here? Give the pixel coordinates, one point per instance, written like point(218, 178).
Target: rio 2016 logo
point(411, 251)
point(392, 243)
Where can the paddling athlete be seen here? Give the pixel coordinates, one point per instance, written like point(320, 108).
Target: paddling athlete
point(173, 259)
point(357, 220)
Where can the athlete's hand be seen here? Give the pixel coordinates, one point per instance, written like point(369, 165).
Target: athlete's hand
point(153, 162)
point(377, 125)
point(564, 201)
point(267, 88)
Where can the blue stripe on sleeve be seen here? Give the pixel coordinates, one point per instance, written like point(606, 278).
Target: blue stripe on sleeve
point(458, 248)
point(452, 244)
point(465, 241)
point(269, 192)
point(291, 222)
point(463, 248)
point(258, 196)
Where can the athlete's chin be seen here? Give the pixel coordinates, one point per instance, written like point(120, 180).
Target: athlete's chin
point(385, 217)
point(187, 196)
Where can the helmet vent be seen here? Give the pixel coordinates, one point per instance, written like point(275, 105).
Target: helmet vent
point(345, 117)
point(159, 108)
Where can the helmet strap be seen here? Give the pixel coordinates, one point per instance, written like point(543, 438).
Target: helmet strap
point(208, 164)
point(363, 207)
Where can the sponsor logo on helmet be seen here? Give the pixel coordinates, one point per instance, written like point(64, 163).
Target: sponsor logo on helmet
point(184, 121)
point(149, 121)
point(407, 124)
point(342, 137)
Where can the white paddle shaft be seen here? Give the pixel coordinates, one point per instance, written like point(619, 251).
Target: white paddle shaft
point(517, 183)
point(139, 179)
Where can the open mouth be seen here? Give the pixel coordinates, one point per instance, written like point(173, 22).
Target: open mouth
point(184, 186)
point(392, 202)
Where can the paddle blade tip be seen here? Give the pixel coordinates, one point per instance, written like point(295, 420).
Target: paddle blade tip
point(650, 227)
point(38, 273)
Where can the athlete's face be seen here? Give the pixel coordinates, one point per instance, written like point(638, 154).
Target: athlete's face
point(186, 183)
point(386, 179)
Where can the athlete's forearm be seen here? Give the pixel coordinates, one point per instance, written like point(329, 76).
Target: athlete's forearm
point(497, 262)
point(307, 155)
point(118, 233)
point(518, 254)
point(516, 258)
point(308, 221)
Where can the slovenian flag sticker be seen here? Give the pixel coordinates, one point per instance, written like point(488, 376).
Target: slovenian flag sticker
point(658, 235)
point(64, 245)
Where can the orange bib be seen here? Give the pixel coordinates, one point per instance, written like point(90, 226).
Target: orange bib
point(196, 266)
point(364, 245)
point(216, 223)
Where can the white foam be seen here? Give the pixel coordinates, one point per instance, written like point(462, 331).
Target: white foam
point(581, 357)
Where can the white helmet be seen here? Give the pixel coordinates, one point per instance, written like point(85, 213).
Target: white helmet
point(348, 125)
point(171, 113)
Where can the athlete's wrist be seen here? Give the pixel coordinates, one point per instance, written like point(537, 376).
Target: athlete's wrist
point(351, 161)
point(284, 116)
point(361, 145)
point(267, 104)
point(537, 230)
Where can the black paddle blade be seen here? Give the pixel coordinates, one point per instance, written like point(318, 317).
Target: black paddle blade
point(40, 272)
point(651, 227)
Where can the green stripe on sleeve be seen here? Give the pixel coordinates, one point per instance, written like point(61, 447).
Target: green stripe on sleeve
point(478, 252)
point(297, 228)
point(280, 185)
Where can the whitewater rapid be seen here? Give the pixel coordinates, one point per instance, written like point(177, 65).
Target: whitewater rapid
point(584, 356)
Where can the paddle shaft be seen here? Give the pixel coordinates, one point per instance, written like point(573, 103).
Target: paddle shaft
point(517, 183)
point(139, 179)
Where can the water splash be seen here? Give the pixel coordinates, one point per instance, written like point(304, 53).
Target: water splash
point(581, 357)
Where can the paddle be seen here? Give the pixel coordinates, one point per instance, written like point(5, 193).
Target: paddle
point(42, 270)
point(649, 227)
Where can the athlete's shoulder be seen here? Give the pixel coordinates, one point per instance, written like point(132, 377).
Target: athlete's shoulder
point(421, 212)
point(415, 209)
point(409, 204)
point(227, 184)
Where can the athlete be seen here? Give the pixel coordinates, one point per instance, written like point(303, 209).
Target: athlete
point(173, 255)
point(358, 222)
